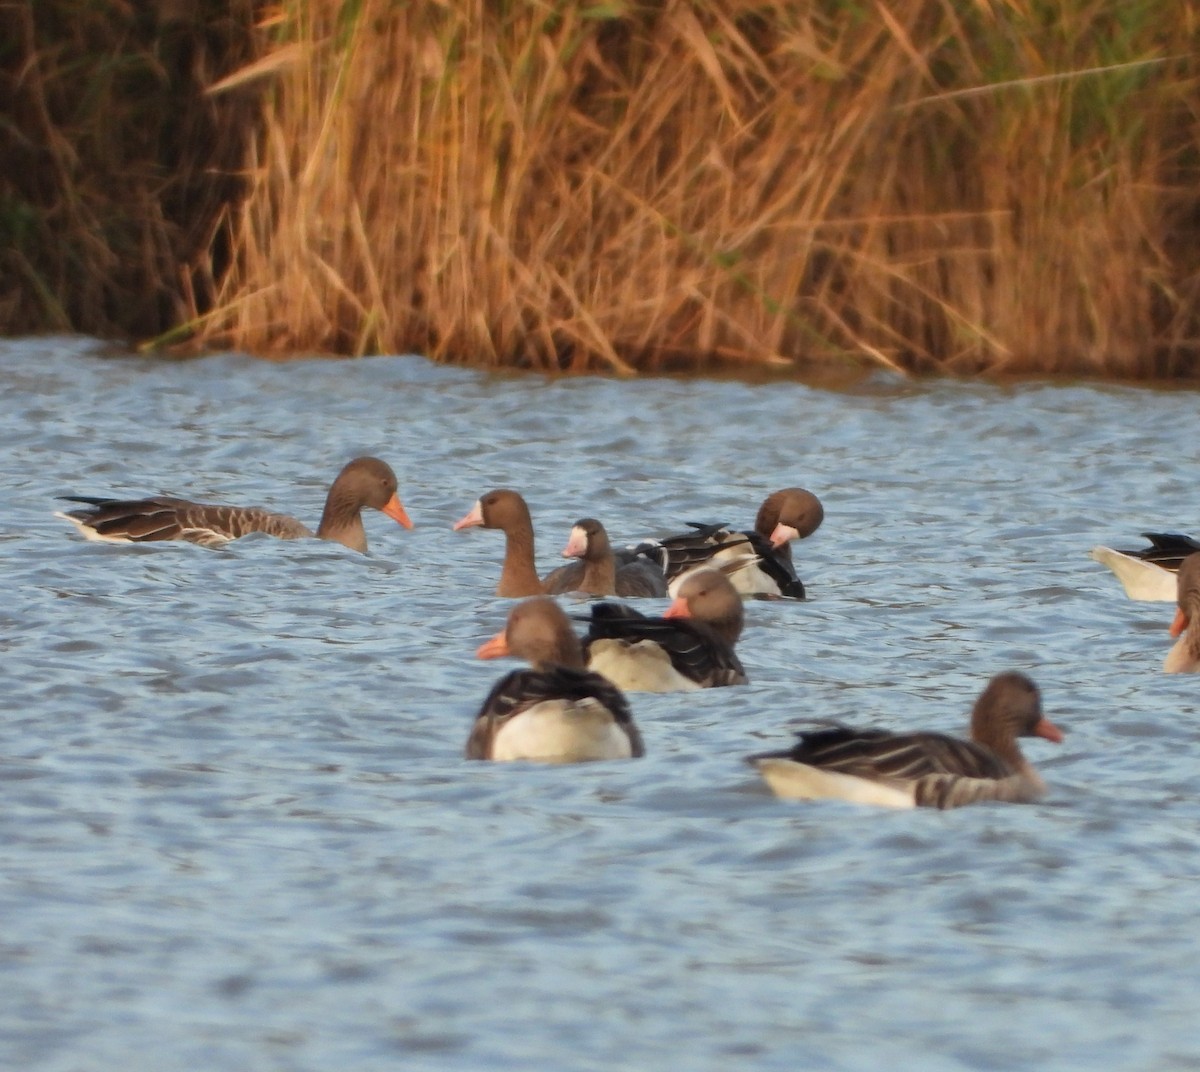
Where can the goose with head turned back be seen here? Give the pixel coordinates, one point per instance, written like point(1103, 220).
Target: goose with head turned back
point(1184, 656)
point(689, 647)
point(557, 711)
point(362, 482)
point(907, 770)
point(785, 515)
point(598, 573)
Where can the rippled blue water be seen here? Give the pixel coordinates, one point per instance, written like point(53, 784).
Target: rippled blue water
point(236, 831)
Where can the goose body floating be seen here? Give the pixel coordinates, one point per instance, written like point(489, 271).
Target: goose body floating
point(557, 711)
point(1149, 573)
point(361, 483)
point(908, 770)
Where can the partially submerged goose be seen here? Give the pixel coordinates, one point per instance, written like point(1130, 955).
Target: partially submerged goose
point(556, 712)
point(598, 573)
point(362, 482)
point(1149, 573)
point(906, 770)
point(689, 647)
point(1184, 656)
point(785, 515)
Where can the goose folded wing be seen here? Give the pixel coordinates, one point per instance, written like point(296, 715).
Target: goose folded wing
point(893, 757)
point(694, 649)
point(689, 549)
point(166, 518)
point(1168, 549)
point(522, 689)
point(152, 518)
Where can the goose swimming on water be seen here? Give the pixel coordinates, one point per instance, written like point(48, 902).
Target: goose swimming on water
point(361, 483)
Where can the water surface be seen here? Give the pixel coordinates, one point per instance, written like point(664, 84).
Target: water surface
point(237, 832)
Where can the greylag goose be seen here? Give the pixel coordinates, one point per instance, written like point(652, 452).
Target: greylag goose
point(1149, 573)
point(689, 647)
point(556, 712)
point(597, 573)
point(785, 515)
point(905, 770)
point(1184, 656)
point(362, 482)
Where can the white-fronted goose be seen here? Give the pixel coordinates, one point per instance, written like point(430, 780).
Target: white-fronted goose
point(598, 573)
point(362, 482)
point(556, 712)
point(689, 647)
point(1149, 573)
point(506, 510)
point(1184, 656)
point(906, 770)
point(785, 515)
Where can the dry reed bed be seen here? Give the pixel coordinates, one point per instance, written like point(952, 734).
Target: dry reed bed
point(1003, 185)
point(117, 167)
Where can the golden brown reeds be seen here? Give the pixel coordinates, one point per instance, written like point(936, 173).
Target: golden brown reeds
point(117, 170)
point(1007, 186)
point(926, 185)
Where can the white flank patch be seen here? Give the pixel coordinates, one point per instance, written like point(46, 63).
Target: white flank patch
point(640, 667)
point(559, 731)
point(206, 537)
point(90, 533)
point(749, 580)
point(1142, 580)
point(799, 781)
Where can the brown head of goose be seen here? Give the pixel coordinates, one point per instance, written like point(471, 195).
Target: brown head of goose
point(1184, 656)
point(598, 572)
point(361, 483)
point(788, 514)
point(785, 515)
point(689, 647)
point(506, 510)
point(906, 770)
point(557, 711)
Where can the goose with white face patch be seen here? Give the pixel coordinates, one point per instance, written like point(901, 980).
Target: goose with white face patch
point(598, 572)
point(506, 510)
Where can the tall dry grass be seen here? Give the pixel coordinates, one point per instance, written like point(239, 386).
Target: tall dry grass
point(116, 169)
point(1001, 186)
point(992, 185)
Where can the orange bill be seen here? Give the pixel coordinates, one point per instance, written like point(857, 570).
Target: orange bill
point(1180, 623)
point(394, 509)
point(496, 648)
point(1046, 728)
point(678, 609)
